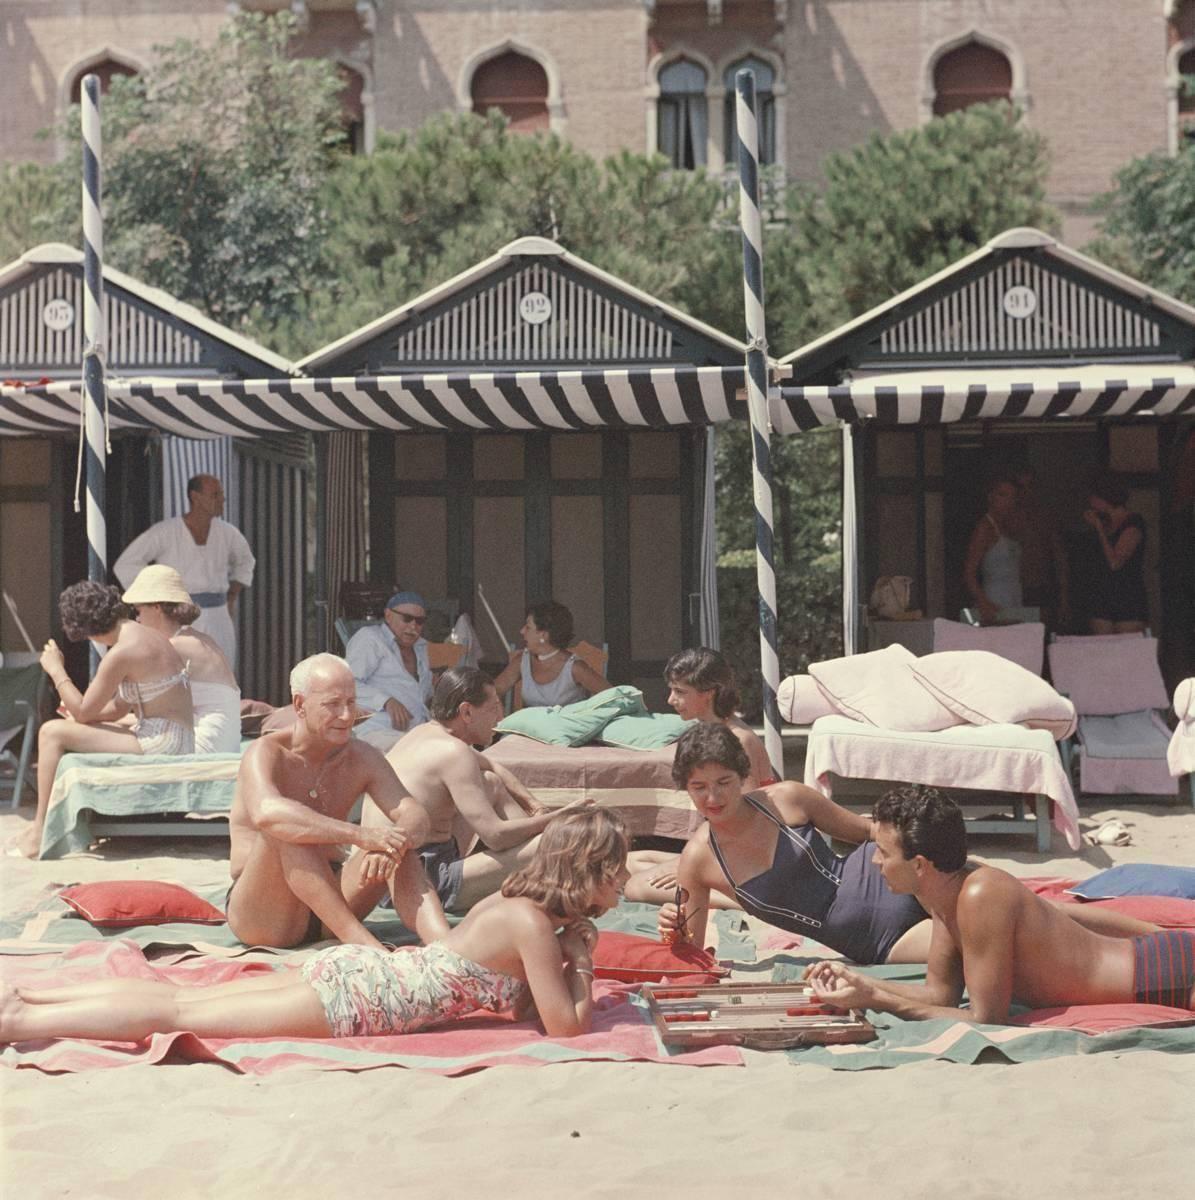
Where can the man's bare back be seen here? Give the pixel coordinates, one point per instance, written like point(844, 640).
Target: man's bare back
point(420, 760)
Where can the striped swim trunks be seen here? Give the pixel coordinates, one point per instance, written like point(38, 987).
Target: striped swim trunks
point(1164, 967)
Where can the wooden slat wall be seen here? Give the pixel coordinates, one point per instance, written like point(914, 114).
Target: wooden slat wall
point(583, 327)
point(1068, 318)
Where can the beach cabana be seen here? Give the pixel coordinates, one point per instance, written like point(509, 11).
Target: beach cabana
point(534, 424)
point(152, 336)
point(1024, 351)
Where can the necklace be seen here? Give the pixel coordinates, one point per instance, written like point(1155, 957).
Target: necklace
point(545, 657)
point(313, 792)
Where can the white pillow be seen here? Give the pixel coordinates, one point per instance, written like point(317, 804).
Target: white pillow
point(1023, 644)
point(1106, 676)
point(986, 689)
point(801, 701)
point(880, 689)
point(1184, 701)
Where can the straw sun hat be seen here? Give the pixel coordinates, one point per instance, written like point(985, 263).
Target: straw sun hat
point(157, 584)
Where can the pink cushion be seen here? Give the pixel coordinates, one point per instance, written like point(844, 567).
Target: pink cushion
point(1105, 676)
point(985, 689)
point(630, 958)
point(880, 689)
point(801, 701)
point(1023, 644)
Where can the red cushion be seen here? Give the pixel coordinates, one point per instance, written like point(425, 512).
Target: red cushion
point(116, 903)
point(628, 958)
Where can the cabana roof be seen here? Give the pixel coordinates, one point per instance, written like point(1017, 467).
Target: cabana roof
point(150, 332)
point(584, 316)
point(1023, 298)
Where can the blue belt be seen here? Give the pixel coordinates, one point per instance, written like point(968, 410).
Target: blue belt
point(209, 599)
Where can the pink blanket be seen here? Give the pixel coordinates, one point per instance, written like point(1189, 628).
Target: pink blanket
point(620, 1033)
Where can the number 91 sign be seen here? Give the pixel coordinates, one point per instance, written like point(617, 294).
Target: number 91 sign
point(1020, 302)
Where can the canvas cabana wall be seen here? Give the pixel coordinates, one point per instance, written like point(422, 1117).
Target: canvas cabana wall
point(1028, 352)
point(534, 425)
point(151, 335)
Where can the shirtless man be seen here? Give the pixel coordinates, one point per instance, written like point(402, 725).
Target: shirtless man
point(993, 936)
point(465, 795)
point(294, 792)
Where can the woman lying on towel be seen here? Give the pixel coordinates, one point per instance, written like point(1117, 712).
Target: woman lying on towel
point(164, 604)
point(701, 687)
point(141, 674)
point(764, 849)
point(528, 947)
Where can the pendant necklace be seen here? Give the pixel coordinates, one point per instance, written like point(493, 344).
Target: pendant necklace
point(313, 791)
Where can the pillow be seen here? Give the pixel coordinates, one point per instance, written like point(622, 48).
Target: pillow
point(117, 903)
point(880, 689)
point(1138, 879)
point(1184, 702)
point(801, 701)
point(629, 958)
point(651, 732)
point(985, 689)
point(1023, 644)
point(574, 724)
point(1106, 676)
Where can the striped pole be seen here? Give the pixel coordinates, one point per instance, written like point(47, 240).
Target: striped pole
point(93, 443)
point(747, 139)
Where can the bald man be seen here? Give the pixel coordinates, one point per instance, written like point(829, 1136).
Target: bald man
point(289, 825)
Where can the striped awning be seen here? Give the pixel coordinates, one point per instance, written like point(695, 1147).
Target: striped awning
point(647, 397)
point(940, 397)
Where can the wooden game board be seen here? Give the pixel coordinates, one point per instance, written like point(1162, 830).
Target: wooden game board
point(760, 1016)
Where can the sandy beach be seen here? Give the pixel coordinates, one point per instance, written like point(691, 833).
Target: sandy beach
point(1108, 1125)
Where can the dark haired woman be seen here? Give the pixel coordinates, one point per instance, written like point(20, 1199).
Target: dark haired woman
point(545, 673)
point(142, 674)
point(765, 850)
point(528, 949)
point(1120, 604)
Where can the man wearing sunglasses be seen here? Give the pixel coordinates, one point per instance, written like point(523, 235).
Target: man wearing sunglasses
point(389, 663)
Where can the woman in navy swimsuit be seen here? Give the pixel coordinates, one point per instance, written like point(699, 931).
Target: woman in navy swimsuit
point(765, 850)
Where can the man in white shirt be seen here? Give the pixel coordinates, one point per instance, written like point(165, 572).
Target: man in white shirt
point(389, 663)
point(212, 556)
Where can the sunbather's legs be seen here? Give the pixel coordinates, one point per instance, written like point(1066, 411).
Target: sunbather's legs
point(653, 880)
point(54, 739)
point(913, 945)
point(153, 988)
point(258, 1008)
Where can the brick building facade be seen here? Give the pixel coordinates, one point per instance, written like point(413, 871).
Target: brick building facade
point(1100, 79)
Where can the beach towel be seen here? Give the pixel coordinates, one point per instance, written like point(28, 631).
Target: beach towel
point(619, 1034)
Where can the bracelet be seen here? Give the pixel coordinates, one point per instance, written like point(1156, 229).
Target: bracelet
point(583, 971)
point(59, 682)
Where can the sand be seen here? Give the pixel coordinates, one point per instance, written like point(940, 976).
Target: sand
point(1105, 1126)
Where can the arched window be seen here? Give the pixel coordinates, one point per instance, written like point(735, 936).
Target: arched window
point(971, 74)
point(352, 109)
point(682, 118)
point(107, 70)
point(1186, 95)
point(515, 85)
point(765, 109)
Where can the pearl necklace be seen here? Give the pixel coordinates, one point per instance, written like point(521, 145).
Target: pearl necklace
point(545, 657)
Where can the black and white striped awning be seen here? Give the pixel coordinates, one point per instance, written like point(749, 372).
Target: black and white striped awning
point(941, 397)
point(634, 398)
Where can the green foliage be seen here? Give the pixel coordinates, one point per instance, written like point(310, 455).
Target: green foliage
point(1149, 222)
point(31, 209)
point(214, 163)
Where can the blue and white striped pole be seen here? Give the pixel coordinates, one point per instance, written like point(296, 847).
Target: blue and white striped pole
point(747, 141)
point(94, 441)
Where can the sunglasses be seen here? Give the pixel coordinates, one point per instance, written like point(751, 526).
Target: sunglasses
point(408, 618)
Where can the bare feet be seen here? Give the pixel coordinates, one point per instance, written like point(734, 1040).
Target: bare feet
point(11, 1006)
point(26, 843)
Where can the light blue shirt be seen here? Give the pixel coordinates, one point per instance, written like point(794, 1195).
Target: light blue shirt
point(381, 675)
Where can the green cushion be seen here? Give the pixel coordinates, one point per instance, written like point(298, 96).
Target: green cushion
point(574, 724)
point(651, 732)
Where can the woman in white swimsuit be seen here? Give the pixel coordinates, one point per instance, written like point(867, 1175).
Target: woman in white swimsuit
point(992, 570)
point(141, 674)
point(527, 948)
point(163, 604)
point(545, 673)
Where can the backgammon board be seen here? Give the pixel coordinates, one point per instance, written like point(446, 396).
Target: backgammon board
point(760, 1016)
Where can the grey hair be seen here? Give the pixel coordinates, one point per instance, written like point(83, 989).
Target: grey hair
point(300, 677)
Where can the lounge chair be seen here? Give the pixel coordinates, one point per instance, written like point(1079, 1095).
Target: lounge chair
point(22, 690)
point(1116, 687)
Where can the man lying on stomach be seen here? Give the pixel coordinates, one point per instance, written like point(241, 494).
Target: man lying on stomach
point(994, 937)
